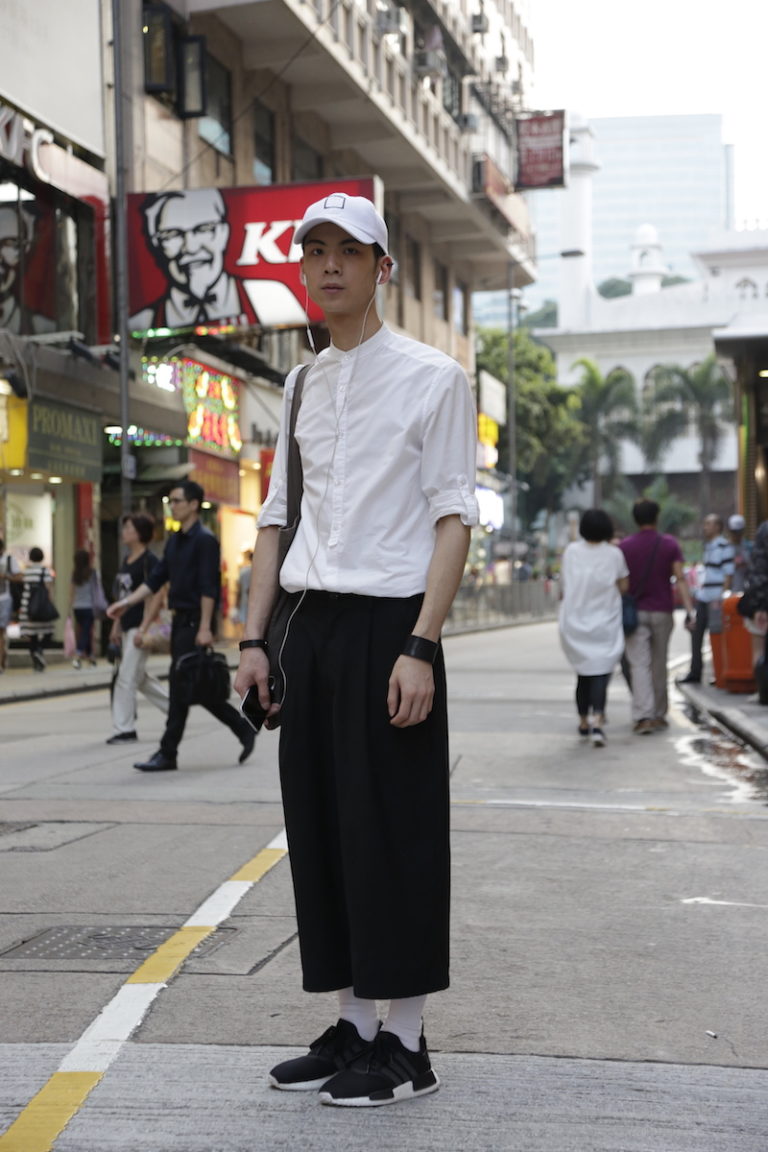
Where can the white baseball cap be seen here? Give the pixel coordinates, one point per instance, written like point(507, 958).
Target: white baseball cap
point(355, 214)
point(736, 522)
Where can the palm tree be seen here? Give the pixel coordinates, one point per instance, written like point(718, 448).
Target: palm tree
point(704, 397)
point(608, 411)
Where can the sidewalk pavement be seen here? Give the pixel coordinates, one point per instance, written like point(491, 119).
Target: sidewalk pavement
point(740, 713)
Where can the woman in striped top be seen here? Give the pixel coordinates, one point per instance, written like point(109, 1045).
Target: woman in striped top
point(37, 634)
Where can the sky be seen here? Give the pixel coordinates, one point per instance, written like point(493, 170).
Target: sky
point(664, 57)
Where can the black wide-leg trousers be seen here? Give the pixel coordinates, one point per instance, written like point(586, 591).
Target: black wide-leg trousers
point(366, 804)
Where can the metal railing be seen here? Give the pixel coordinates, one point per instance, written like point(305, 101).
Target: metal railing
point(495, 605)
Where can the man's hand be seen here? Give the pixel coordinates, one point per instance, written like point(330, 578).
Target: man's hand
point(254, 671)
point(138, 638)
point(411, 692)
point(760, 620)
point(204, 638)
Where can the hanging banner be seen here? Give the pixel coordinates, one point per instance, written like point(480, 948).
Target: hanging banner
point(541, 150)
point(211, 260)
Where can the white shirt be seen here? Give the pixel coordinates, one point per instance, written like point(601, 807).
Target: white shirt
point(591, 631)
point(387, 433)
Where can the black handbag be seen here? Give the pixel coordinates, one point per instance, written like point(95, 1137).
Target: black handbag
point(629, 611)
point(40, 608)
point(285, 602)
point(202, 677)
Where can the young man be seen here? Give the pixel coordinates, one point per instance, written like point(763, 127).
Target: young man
point(387, 436)
point(718, 568)
point(191, 565)
point(652, 559)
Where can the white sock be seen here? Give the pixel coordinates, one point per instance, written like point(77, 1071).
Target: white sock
point(405, 1020)
point(361, 1013)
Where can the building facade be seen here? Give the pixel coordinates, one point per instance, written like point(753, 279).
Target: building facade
point(416, 102)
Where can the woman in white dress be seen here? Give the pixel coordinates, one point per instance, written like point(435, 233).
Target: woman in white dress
point(594, 578)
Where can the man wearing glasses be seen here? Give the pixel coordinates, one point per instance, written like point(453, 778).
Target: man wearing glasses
point(188, 233)
point(191, 566)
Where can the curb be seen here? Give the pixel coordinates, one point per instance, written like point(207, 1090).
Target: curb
point(735, 720)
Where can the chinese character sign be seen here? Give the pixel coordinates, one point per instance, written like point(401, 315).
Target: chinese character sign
point(212, 404)
point(541, 150)
point(214, 259)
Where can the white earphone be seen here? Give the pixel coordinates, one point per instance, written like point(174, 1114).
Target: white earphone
point(302, 278)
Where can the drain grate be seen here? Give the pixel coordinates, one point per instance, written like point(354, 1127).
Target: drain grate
point(78, 942)
point(84, 943)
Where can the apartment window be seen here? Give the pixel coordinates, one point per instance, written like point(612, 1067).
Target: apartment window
point(216, 126)
point(263, 144)
point(440, 292)
point(412, 271)
point(461, 308)
point(306, 161)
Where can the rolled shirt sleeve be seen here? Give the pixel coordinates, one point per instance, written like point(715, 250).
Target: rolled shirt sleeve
point(450, 449)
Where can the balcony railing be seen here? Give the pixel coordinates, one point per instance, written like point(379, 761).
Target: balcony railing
point(386, 76)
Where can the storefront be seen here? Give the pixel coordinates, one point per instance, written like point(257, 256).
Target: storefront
point(50, 473)
point(745, 343)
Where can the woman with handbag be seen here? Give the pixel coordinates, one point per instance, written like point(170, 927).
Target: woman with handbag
point(130, 632)
point(34, 628)
point(594, 578)
point(87, 602)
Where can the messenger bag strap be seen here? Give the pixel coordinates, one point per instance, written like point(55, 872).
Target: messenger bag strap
point(295, 472)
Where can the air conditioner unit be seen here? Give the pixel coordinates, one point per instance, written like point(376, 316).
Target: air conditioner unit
point(479, 23)
point(502, 63)
point(429, 63)
point(392, 21)
point(468, 122)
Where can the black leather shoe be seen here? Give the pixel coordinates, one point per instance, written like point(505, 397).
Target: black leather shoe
point(157, 763)
point(689, 679)
point(122, 738)
point(248, 744)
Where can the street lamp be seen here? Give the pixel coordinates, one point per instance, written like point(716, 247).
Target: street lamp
point(127, 460)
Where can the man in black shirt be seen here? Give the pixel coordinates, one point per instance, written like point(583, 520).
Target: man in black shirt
point(191, 566)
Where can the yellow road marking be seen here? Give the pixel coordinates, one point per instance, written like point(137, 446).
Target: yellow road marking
point(48, 1113)
point(169, 956)
point(260, 865)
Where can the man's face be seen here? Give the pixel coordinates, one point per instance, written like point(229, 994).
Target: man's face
point(181, 508)
point(340, 272)
point(711, 527)
point(11, 243)
point(192, 240)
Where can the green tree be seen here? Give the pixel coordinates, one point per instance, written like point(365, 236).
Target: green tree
point(544, 317)
point(614, 287)
point(703, 397)
point(549, 437)
point(608, 411)
point(675, 515)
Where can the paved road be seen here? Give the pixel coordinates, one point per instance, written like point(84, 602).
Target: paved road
point(610, 935)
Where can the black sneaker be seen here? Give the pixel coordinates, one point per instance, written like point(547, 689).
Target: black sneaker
point(122, 738)
point(388, 1073)
point(335, 1050)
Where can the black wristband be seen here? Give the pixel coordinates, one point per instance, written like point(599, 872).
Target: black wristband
point(420, 649)
point(253, 644)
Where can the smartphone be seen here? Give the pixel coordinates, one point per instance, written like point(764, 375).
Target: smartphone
point(252, 709)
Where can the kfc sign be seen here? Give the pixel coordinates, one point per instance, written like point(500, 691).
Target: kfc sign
point(219, 258)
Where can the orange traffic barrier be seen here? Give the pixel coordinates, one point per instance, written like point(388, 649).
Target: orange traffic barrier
point(736, 646)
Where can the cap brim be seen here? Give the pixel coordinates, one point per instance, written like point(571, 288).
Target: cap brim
point(332, 218)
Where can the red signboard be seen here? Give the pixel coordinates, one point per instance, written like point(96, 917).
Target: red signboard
point(214, 259)
point(219, 479)
point(541, 150)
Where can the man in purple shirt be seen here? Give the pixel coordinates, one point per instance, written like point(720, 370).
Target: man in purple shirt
point(653, 559)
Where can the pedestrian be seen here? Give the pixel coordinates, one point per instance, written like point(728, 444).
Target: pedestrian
point(10, 575)
point(718, 567)
point(86, 604)
point(191, 565)
point(653, 560)
point(742, 554)
point(754, 607)
point(36, 633)
point(594, 578)
point(129, 630)
point(387, 440)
